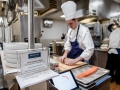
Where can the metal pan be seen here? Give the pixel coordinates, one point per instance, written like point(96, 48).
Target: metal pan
point(90, 79)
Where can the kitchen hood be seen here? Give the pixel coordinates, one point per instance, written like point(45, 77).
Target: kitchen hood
point(104, 8)
point(117, 1)
point(14, 7)
point(23, 5)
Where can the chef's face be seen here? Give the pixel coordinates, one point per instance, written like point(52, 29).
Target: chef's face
point(72, 23)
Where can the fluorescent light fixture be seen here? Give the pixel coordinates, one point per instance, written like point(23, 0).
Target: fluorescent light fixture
point(62, 16)
point(25, 13)
point(50, 11)
point(87, 20)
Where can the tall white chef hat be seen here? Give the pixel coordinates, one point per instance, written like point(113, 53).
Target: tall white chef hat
point(69, 10)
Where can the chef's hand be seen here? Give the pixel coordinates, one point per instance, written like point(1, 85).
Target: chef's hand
point(62, 58)
point(71, 62)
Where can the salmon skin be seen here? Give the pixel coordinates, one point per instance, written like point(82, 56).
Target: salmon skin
point(88, 72)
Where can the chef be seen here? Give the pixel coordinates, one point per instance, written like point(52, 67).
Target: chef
point(79, 45)
point(113, 62)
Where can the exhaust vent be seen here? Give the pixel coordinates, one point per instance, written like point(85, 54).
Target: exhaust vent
point(118, 1)
point(104, 8)
point(52, 8)
point(37, 5)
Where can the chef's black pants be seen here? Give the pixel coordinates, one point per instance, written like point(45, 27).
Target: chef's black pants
point(1, 45)
point(113, 64)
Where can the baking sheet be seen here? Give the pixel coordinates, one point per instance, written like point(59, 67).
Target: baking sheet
point(86, 80)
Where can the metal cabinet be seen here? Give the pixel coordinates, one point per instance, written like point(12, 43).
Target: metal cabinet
point(96, 33)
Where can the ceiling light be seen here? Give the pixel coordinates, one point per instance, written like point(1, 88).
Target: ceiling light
point(62, 16)
point(26, 13)
point(87, 20)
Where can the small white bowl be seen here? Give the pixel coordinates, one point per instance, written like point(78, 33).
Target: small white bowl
point(11, 65)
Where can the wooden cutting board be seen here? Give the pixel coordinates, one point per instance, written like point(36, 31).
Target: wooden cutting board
point(63, 67)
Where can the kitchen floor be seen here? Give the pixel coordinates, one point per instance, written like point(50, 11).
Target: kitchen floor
point(113, 86)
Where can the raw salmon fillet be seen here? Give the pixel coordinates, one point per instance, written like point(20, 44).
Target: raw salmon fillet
point(88, 72)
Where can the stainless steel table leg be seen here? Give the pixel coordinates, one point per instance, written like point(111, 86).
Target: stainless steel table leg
point(48, 85)
point(27, 88)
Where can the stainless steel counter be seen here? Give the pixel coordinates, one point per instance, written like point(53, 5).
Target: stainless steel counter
point(101, 50)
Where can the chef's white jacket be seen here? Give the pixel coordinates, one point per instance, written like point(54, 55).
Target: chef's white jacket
point(84, 39)
point(114, 41)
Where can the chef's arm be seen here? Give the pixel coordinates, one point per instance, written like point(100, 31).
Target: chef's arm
point(66, 53)
point(67, 47)
point(79, 59)
point(89, 46)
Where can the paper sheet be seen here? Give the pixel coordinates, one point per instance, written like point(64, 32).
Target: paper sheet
point(26, 81)
point(12, 71)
